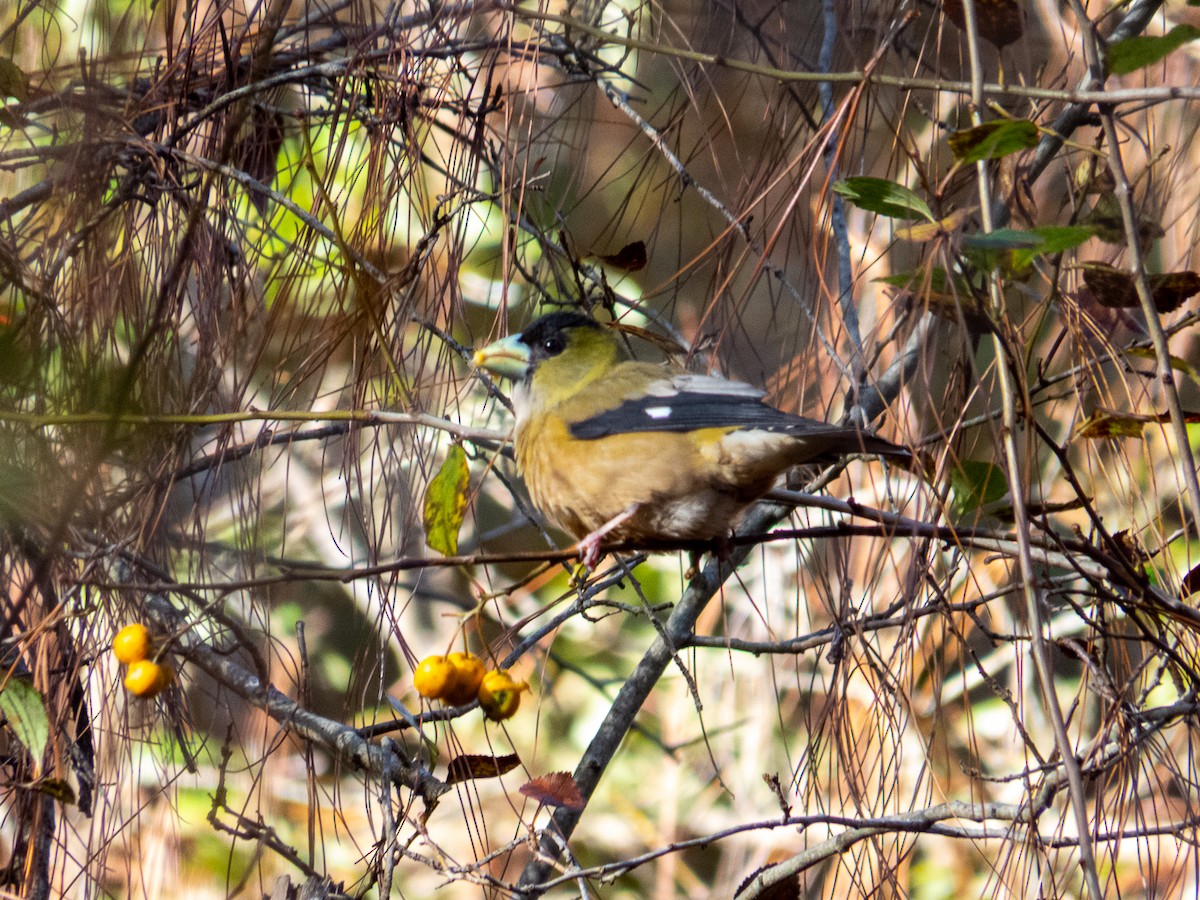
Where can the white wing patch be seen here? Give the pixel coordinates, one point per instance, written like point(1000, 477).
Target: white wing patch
point(658, 412)
point(702, 384)
point(711, 384)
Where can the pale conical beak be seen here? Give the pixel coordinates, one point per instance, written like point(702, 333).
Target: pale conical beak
point(507, 357)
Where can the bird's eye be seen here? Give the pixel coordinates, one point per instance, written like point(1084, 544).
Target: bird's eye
point(554, 345)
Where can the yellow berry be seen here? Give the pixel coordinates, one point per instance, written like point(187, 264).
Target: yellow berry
point(468, 674)
point(499, 695)
point(146, 678)
point(433, 677)
point(132, 644)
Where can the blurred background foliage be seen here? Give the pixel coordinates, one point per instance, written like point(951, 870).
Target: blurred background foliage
point(245, 250)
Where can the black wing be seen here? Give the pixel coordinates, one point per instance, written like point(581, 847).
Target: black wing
point(689, 410)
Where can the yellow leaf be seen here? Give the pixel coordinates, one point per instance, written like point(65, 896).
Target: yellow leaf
point(446, 502)
point(927, 231)
point(1101, 425)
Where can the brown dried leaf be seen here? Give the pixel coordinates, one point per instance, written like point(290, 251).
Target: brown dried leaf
point(785, 889)
point(470, 767)
point(630, 258)
point(1190, 583)
point(1115, 288)
point(999, 20)
point(555, 789)
point(1106, 218)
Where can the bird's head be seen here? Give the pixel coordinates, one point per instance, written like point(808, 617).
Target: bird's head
point(553, 357)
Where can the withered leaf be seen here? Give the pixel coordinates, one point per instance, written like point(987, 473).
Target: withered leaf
point(1115, 288)
point(999, 20)
point(1101, 425)
point(555, 789)
point(1178, 363)
point(787, 888)
point(630, 258)
point(1190, 583)
point(1106, 218)
point(470, 767)
point(993, 140)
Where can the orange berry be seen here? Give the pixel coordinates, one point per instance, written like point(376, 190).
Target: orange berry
point(146, 678)
point(499, 695)
point(433, 677)
point(468, 674)
point(132, 644)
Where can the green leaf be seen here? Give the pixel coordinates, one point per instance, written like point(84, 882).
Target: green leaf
point(1135, 53)
point(446, 502)
point(1057, 238)
point(993, 140)
point(1054, 239)
point(25, 710)
point(975, 485)
point(886, 198)
point(1002, 239)
point(995, 249)
point(1014, 249)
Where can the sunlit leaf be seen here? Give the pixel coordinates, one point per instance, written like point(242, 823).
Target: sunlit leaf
point(25, 711)
point(446, 502)
point(1093, 176)
point(993, 140)
point(1131, 54)
point(886, 198)
point(927, 231)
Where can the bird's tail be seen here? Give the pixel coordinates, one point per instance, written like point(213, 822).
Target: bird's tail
point(848, 440)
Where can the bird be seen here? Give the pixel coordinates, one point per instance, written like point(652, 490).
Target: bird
point(617, 450)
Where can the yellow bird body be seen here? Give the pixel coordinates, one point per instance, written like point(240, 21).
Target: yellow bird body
point(631, 451)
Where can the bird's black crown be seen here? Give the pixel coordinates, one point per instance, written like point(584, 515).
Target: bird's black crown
point(547, 336)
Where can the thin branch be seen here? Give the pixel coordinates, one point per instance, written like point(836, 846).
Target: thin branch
point(1012, 394)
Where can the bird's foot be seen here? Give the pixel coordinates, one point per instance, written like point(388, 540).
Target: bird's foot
point(589, 546)
point(721, 549)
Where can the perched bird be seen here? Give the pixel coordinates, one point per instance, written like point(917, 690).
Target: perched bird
point(611, 448)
